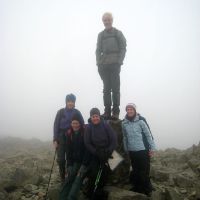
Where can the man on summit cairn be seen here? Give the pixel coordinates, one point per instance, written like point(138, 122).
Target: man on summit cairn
point(110, 53)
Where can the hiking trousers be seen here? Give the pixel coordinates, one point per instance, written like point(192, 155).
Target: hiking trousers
point(72, 185)
point(140, 161)
point(93, 170)
point(110, 75)
point(61, 154)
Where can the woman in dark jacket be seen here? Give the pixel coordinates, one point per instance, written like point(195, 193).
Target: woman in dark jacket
point(100, 140)
point(77, 160)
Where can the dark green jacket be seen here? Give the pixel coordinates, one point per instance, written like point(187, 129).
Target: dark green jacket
point(111, 47)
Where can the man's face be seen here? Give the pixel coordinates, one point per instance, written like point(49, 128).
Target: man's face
point(130, 112)
point(70, 104)
point(107, 21)
point(95, 119)
point(75, 125)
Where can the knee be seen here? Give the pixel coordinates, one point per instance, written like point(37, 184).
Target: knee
point(106, 90)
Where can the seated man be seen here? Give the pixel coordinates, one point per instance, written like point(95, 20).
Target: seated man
point(100, 140)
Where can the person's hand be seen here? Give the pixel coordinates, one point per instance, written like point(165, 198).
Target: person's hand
point(151, 153)
point(103, 155)
point(82, 171)
point(68, 171)
point(55, 144)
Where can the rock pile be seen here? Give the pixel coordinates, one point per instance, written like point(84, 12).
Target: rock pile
point(25, 167)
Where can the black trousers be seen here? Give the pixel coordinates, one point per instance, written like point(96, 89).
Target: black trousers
point(93, 170)
point(61, 154)
point(140, 161)
point(110, 75)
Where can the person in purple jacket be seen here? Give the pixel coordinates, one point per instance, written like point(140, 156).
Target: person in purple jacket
point(100, 141)
point(61, 125)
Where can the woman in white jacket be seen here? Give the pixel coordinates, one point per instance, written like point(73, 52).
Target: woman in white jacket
point(139, 144)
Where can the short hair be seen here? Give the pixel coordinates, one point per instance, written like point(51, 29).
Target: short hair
point(109, 14)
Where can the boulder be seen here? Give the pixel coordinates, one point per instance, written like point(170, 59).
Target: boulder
point(54, 191)
point(158, 195)
point(183, 181)
point(20, 176)
point(3, 194)
point(30, 187)
point(115, 193)
point(160, 175)
point(172, 194)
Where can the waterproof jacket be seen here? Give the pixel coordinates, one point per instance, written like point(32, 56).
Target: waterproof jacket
point(63, 121)
point(134, 134)
point(76, 150)
point(100, 136)
point(111, 47)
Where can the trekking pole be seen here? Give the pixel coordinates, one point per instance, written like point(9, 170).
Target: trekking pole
point(97, 181)
point(50, 175)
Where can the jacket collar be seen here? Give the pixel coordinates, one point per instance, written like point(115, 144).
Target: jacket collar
point(134, 120)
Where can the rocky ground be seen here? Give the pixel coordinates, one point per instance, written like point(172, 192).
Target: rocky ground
point(25, 166)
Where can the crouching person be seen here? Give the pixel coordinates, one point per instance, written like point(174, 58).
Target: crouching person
point(139, 144)
point(100, 140)
point(77, 159)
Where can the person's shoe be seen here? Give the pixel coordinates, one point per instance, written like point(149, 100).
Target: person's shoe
point(115, 117)
point(148, 194)
point(133, 189)
point(106, 116)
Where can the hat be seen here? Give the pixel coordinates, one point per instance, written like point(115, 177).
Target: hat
point(70, 97)
point(94, 111)
point(131, 105)
point(77, 117)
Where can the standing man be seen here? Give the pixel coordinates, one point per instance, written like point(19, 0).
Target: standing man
point(62, 124)
point(110, 53)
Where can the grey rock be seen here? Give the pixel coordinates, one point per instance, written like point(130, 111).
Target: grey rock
point(183, 181)
point(115, 193)
point(15, 195)
point(36, 179)
point(160, 175)
point(183, 191)
point(172, 194)
point(158, 195)
point(54, 191)
point(30, 187)
point(3, 195)
point(20, 176)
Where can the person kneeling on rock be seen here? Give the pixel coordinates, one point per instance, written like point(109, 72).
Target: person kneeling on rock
point(139, 144)
point(100, 140)
point(77, 160)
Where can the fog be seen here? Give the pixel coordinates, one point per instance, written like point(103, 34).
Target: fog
point(47, 50)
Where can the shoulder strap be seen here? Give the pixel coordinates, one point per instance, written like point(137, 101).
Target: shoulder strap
point(144, 138)
point(62, 110)
point(145, 121)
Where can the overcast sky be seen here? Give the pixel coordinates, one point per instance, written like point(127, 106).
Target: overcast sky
point(47, 50)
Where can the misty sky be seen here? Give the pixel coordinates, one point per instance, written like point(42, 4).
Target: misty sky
point(47, 49)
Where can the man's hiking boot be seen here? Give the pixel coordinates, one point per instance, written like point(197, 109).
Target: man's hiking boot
point(106, 116)
point(115, 116)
